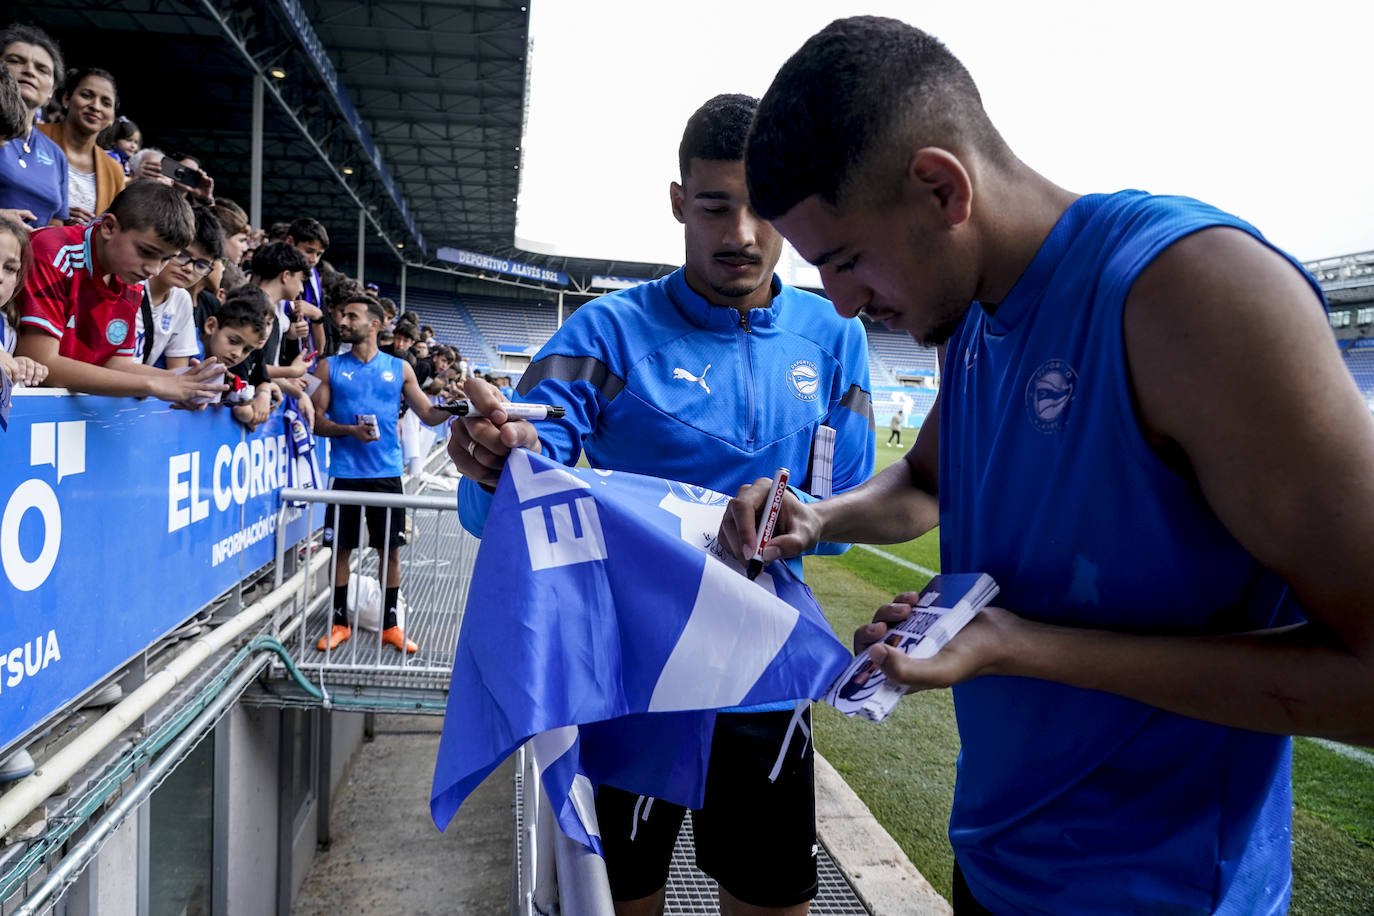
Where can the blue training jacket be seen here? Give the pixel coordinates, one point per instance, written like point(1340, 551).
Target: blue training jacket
point(1073, 801)
point(658, 381)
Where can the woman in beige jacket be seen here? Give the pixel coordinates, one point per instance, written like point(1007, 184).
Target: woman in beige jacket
point(93, 178)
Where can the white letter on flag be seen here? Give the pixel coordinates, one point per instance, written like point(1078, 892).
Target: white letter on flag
point(566, 548)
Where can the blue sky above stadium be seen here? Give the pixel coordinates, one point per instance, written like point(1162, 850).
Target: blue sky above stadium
point(1261, 109)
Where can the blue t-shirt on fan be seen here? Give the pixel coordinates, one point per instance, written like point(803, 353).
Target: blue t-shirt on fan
point(34, 179)
point(1074, 801)
point(372, 387)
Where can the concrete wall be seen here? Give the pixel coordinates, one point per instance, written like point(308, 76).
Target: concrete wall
point(348, 737)
point(110, 883)
point(249, 829)
point(248, 785)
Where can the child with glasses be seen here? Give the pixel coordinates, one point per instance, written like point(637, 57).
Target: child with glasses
point(165, 325)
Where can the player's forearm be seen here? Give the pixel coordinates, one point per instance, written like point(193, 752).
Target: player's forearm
point(1290, 681)
point(889, 508)
point(328, 428)
point(431, 415)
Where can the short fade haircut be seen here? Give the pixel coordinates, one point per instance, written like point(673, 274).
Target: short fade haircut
point(374, 308)
point(208, 236)
point(245, 307)
point(272, 260)
point(32, 35)
point(15, 117)
point(308, 230)
point(860, 94)
point(155, 206)
point(716, 131)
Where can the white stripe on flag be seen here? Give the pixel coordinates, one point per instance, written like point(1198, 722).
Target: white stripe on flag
point(550, 745)
point(583, 796)
point(547, 747)
point(734, 632)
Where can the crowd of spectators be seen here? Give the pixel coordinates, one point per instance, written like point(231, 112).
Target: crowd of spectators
point(122, 273)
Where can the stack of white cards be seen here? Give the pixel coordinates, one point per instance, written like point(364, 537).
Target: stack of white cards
point(822, 462)
point(944, 608)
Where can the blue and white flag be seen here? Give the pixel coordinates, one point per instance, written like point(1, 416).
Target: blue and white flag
point(603, 613)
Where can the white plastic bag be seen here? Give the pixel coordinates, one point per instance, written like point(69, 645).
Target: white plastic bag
point(365, 603)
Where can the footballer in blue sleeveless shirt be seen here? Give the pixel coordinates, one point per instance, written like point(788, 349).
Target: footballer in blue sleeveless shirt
point(1060, 498)
point(1145, 434)
point(372, 388)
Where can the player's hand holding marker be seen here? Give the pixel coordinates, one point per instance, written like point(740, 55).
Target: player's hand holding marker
point(796, 528)
point(978, 649)
point(479, 445)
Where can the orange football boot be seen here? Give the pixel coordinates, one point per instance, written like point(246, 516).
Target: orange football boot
point(338, 635)
point(394, 636)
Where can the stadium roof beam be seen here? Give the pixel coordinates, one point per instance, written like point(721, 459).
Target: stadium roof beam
point(440, 85)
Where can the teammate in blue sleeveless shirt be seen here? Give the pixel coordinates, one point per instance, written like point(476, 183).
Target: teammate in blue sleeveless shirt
point(712, 375)
point(1179, 541)
point(366, 456)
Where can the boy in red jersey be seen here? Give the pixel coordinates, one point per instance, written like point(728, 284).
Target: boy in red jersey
point(83, 292)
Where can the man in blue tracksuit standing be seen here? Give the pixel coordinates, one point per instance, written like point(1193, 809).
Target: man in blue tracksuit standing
point(715, 375)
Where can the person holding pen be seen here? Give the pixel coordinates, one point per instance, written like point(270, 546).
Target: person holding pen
point(356, 404)
point(713, 375)
point(1181, 546)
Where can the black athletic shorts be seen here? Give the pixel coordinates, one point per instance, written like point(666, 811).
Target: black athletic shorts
point(343, 529)
point(756, 838)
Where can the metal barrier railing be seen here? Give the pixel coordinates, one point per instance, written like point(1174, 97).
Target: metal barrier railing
point(432, 570)
point(553, 873)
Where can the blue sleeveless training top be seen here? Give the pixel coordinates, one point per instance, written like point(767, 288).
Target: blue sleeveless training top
point(1072, 801)
point(373, 387)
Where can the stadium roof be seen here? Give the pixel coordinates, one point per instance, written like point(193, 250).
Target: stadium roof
point(411, 109)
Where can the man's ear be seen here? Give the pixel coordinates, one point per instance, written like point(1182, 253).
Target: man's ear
point(677, 196)
point(937, 175)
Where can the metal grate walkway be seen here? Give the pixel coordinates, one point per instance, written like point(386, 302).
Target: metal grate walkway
point(436, 569)
point(690, 892)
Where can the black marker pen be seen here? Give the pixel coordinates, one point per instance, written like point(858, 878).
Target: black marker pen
point(513, 411)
